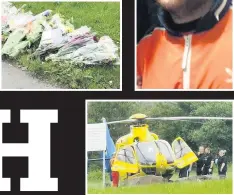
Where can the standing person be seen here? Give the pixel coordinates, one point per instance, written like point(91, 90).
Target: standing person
point(184, 172)
point(190, 50)
point(114, 174)
point(200, 162)
point(208, 162)
point(222, 164)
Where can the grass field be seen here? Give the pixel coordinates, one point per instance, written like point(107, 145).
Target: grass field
point(104, 19)
point(195, 187)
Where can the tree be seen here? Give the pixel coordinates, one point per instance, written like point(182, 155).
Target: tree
point(214, 133)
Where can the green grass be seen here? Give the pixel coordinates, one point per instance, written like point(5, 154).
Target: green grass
point(104, 19)
point(204, 187)
point(194, 187)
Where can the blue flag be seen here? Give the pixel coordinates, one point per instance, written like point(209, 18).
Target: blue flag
point(110, 148)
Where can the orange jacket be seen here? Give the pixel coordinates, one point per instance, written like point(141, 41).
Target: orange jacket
point(199, 60)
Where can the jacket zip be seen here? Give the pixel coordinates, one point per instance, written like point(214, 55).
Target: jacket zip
point(186, 61)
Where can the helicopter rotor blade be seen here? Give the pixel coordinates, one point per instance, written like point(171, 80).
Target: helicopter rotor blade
point(121, 121)
point(181, 118)
point(190, 118)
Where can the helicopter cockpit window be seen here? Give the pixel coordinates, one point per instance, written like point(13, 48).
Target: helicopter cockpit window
point(181, 149)
point(166, 150)
point(146, 152)
point(126, 155)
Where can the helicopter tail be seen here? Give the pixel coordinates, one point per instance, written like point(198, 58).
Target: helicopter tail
point(183, 153)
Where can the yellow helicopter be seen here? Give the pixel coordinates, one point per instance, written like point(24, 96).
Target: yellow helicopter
point(142, 152)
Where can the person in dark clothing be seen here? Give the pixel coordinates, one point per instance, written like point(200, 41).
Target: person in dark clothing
point(200, 161)
point(184, 172)
point(146, 17)
point(208, 162)
point(222, 164)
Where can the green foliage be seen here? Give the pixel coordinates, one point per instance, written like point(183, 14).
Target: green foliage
point(95, 175)
point(214, 133)
point(104, 19)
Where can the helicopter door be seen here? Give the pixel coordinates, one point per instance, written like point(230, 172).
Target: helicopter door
point(125, 161)
point(183, 153)
point(165, 149)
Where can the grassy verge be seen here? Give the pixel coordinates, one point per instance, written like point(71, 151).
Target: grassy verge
point(104, 19)
point(204, 187)
point(194, 187)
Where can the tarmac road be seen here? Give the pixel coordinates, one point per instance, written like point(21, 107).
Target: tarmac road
point(16, 78)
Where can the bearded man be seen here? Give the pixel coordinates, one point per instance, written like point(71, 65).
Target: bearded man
point(192, 49)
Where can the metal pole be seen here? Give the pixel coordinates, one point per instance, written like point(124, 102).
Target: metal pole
point(103, 120)
point(87, 163)
point(104, 163)
point(104, 171)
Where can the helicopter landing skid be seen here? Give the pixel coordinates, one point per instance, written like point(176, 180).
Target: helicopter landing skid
point(144, 180)
point(151, 179)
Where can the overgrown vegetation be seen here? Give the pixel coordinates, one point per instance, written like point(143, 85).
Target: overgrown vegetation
point(104, 19)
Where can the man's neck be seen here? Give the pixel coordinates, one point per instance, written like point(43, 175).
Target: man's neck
point(186, 15)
